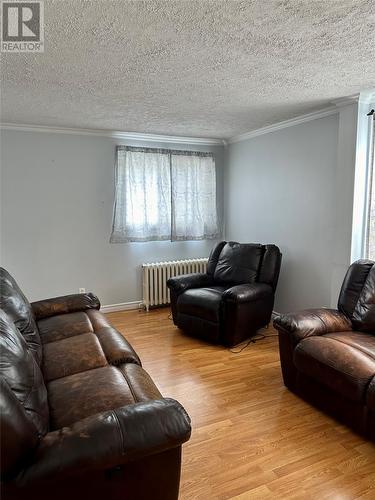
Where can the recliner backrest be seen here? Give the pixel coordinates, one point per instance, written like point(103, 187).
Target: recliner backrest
point(214, 257)
point(357, 295)
point(17, 307)
point(238, 263)
point(270, 266)
point(244, 263)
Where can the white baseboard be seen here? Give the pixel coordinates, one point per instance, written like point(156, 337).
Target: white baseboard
point(124, 306)
point(129, 306)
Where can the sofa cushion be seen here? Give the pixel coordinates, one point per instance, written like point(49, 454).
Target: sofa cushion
point(204, 303)
point(21, 372)
point(83, 394)
point(17, 307)
point(72, 355)
point(339, 366)
point(63, 326)
point(238, 263)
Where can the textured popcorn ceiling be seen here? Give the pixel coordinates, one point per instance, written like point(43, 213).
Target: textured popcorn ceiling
point(193, 68)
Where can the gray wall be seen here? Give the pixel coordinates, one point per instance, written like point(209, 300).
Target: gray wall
point(56, 200)
point(281, 188)
point(292, 187)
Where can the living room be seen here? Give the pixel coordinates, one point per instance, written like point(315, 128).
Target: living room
point(187, 249)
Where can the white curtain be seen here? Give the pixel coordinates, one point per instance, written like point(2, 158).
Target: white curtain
point(142, 209)
point(164, 195)
point(194, 212)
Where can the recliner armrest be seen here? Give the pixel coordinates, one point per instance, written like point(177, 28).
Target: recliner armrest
point(108, 440)
point(248, 292)
point(310, 322)
point(64, 304)
point(180, 284)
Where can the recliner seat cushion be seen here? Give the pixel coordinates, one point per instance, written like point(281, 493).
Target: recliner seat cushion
point(339, 366)
point(361, 341)
point(238, 263)
point(18, 308)
point(84, 394)
point(204, 303)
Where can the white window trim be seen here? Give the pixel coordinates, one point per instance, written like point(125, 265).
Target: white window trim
point(362, 176)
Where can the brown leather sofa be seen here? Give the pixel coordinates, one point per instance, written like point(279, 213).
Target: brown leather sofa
point(80, 418)
point(328, 356)
point(233, 299)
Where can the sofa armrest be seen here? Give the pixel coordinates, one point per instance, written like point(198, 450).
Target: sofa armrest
point(65, 304)
point(312, 322)
point(247, 293)
point(108, 440)
point(180, 284)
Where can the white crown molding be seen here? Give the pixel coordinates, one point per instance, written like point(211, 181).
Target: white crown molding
point(331, 110)
point(124, 306)
point(314, 115)
point(367, 97)
point(135, 136)
point(346, 101)
point(364, 97)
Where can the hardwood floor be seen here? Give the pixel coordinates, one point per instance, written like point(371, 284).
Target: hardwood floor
point(252, 438)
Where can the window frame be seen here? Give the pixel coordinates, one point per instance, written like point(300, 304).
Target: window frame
point(117, 237)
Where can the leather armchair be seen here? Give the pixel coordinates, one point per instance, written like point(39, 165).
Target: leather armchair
point(233, 299)
point(328, 355)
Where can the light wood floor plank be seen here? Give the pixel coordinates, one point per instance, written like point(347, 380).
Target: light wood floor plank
point(252, 439)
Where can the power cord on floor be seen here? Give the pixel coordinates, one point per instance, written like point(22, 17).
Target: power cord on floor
point(253, 340)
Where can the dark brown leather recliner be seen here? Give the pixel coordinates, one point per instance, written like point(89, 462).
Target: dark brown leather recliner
point(80, 418)
point(233, 299)
point(328, 356)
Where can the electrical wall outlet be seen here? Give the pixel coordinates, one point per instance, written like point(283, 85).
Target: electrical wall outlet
point(82, 290)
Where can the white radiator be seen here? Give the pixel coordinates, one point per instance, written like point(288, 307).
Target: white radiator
point(155, 276)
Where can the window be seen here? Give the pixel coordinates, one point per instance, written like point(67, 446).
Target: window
point(163, 194)
point(370, 233)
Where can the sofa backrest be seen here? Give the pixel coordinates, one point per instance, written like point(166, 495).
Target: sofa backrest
point(19, 435)
point(357, 296)
point(25, 390)
point(233, 262)
point(14, 303)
